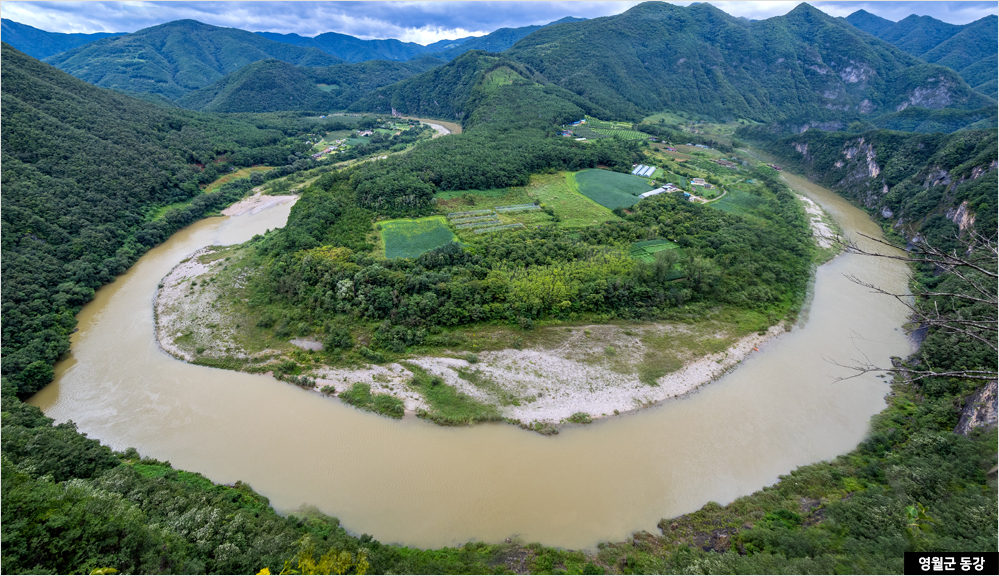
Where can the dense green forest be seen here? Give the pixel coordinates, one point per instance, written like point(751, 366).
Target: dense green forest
point(918, 183)
point(699, 59)
point(86, 175)
point(175, 58)
point(274, 85)
point(532, 275)
point(804, 66)
point(970, 49)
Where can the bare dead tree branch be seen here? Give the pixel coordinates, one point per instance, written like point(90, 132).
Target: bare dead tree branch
point(946, 311)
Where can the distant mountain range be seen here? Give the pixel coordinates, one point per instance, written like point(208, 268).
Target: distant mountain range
point(41, 44)
point(970, 49)
point(175, 58)
point(354, 49)
point(655, 56)
point(273, 85)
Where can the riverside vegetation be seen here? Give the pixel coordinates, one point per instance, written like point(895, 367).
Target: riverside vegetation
point(72, 505)
point(324, 276)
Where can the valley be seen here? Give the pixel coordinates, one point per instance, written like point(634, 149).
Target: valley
point(666, 291)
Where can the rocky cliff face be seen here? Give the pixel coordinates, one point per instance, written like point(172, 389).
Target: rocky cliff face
point(903, 178)
point(980, 411)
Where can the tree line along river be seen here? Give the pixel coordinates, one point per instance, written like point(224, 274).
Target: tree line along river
point(416, 483)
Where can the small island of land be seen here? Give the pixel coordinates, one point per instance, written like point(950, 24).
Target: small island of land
point(576, 296)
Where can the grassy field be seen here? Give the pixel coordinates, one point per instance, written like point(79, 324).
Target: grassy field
point(572, 209)
point(241, 173)
point(620, 133)
point(646, 250)
point(609, 189)
point(158, 213)
point(408, 238)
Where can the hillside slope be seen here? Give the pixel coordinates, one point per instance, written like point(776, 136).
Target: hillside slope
point(178, 57)
point(970, 49)
point(699, 59)
point(84, 171)
point(352, 49)
point(273, 85)
point(498, 40)
point(931, 184)
point(41, 44)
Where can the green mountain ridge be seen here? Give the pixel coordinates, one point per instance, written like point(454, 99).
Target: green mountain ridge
point(357, 50)
point(178, 57)
point(699, 59)
point(498, 40)
point(273, 85)
point(42, 44)
point(83, 167)
point(969, 49)
point(936, 185)
point(352, 49)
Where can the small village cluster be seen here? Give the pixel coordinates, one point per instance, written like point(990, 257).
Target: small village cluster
point(332, 148)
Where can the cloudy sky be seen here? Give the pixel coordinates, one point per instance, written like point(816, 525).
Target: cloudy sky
point(421, 22)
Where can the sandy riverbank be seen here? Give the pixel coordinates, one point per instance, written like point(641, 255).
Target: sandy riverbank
point(255, 204)
point(590, 369)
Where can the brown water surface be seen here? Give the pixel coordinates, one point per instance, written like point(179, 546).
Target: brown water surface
point(416, 483)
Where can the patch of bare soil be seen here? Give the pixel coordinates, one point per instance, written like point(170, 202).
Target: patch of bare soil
point(823, 234)
point(256, 203)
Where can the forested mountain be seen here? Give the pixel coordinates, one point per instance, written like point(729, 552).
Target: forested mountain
point(353, 49)
point(41, 44)
point(273, 85)
point(699, 59)
point(84, 172)
point(935, 185)
point(175, 58)
point(970, 49)
point(496, 41)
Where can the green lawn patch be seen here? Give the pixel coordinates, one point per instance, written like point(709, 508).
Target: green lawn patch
point(448, 406)
point(241, 173)
point(360, 396)
point(610, 189)
point(646, 250)
point(738, 201)
point(626, 134)
point(408, 238)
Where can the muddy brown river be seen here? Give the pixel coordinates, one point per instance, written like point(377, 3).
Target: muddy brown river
point(419, 484)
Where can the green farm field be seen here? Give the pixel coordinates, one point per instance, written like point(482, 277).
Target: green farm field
point(408, 238)
point(646, 250)
point(552, 190)
point(738, 201)
point(609, 189)
point(626, 134)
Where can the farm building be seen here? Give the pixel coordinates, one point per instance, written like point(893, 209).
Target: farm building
point(653, 192)
point(698, 182)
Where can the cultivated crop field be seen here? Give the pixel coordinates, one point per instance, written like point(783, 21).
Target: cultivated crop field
point(646, 250)
point(738, 201)
point(620, 133)
point(609, 189)
point(408, 238)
